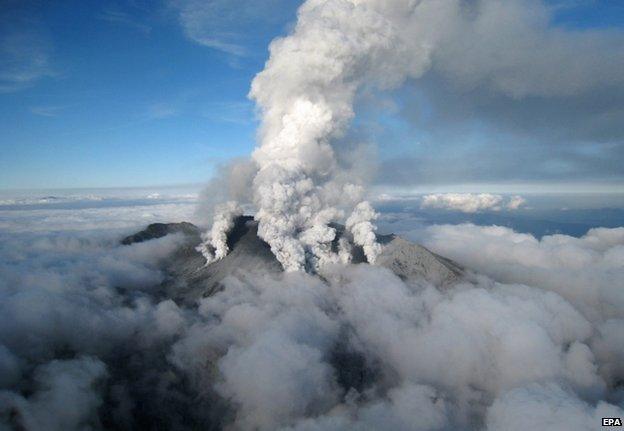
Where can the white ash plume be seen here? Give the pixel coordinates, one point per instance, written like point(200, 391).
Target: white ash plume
point(306, 95)
point(232, 182)
point(215, 245)
point(363, 230)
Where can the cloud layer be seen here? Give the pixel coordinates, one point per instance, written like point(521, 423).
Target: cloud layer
point(469, 202)
point(89, 341)
point(562, 263)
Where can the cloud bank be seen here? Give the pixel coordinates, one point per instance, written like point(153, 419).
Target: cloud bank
point(470, 203)
point(89, 340)
point(562, 263)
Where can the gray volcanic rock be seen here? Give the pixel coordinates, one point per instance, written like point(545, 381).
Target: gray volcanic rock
point(189, 278)
point(410, 261)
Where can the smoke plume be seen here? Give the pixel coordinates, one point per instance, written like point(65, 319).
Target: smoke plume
point(305, 97)
point(215, 245)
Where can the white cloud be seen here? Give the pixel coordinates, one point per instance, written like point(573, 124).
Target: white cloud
point(47, 111)
point(441, 359)
point(561, 263)
point(63, 399)
point(515, 202)
point(225, 25)
point(123, 18)
point(158, 111)
point(128, 217)
point(357, 349)
point(513, 48)
point(25, 55)
point(536, 405)
point(470, 203)
point(25, 47)
point(124, 209)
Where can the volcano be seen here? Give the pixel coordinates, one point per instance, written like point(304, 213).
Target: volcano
point(189, 278)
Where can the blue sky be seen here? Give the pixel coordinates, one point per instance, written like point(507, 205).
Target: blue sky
point(125, 98)
point(112, 94)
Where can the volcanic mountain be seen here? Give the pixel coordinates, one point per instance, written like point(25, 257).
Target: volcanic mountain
point(189, 278)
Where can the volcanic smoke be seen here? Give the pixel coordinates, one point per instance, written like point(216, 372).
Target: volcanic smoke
point(305, 96)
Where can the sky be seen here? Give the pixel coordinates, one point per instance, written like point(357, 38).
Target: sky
point(126, 94)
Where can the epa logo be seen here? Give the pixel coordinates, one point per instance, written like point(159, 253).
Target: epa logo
point(611, 422)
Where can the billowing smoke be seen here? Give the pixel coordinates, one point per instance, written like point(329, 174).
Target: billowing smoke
point(306, 97)
point(359, 224)
point(215, 245)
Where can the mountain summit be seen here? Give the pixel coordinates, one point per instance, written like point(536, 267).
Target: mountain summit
point(189, 278)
